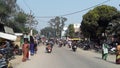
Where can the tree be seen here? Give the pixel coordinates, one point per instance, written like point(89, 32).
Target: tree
point(114, 25)
point(48, 32)
point(21, 17)
point(96, 21)
point(13, 16)
point(71, 31)
point(58, 23)
point(7, 7)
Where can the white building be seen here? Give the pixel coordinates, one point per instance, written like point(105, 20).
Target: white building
point(63, 32)
point(77, 27)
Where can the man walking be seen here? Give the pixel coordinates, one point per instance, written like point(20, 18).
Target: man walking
point(105, 50)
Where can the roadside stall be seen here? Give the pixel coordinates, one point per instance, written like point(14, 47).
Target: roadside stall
point(19, 39)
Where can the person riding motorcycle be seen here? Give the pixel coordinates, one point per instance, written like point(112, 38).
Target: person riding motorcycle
point(48, 48)
point(74, 46)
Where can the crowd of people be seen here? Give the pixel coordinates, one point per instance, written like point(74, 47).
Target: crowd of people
point(30, 43)
point(29, 46)
point(105, 51)
point(105, 46)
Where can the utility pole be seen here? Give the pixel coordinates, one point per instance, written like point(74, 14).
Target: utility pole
point(30, 23)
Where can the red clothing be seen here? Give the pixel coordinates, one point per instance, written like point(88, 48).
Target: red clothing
point(25, 49)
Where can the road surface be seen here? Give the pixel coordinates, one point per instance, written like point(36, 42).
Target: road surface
point(66, 58)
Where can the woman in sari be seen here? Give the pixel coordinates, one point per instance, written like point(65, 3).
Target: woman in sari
point(32, 45)
point(118, 54)
point(25, 49)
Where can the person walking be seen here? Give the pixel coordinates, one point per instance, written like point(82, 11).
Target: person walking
point(25, 49)
point(118, 54)
point(35, 46)
point(105, 47)
point(32, 49)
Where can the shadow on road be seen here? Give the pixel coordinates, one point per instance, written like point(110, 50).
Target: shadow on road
point(111, 62)
point(106, 60)
point(98, 58)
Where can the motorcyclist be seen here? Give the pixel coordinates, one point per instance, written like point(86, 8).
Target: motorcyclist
point(48, 47)
point(74, 45)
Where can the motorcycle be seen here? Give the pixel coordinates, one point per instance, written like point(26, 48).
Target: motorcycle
point(86, 47)
point(49, 48)
point(112, 50)
point(4, 61)
point(74, 48)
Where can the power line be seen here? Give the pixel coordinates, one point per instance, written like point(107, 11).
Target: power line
point(26, 5)
point(74, 12)
point(85, 9)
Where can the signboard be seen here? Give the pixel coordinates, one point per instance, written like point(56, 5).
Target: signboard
point(8, 30)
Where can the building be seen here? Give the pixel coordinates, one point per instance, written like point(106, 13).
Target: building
point(77, 27)
point(77, 30)
point(64, 32)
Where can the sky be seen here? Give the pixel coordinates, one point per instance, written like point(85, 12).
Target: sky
point(46, 8)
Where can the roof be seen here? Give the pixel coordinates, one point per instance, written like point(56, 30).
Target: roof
point(8, 36)
point(18, 34)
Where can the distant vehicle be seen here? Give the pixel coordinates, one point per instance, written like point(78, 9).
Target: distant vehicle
point(48, 48)
point(74, 48)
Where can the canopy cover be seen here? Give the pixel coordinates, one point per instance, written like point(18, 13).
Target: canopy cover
point(8, 36)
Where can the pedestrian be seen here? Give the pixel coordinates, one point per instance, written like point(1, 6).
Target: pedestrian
point(35, 46)
point(26, 37)
point(118, 54)
point(32, 45)
point(105, 47)
point(69, 43)
point(21, 41)
point(25, 49)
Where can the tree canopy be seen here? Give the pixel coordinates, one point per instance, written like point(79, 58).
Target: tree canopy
point(58, 24)
point(71, 31)
point(13, 16)
point(96, 21)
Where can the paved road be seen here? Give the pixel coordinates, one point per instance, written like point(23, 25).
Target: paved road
point(65, 58)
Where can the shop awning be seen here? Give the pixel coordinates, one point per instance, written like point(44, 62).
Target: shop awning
point(8, 36)
point(76, 39)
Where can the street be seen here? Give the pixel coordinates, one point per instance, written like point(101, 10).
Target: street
point(66, 58)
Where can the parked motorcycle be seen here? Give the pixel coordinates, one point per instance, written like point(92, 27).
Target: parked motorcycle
point(4, 61)
point(86, 46)
point(112, 50)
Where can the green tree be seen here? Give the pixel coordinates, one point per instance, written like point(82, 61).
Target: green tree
point(35, 31)
point(20, 21)
point(96, 21)
point(114, 25)
point(7, 7)
point(13, 16)
point(71, 31)
point(21, 17)
point(58, 23)
point(48, 32)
